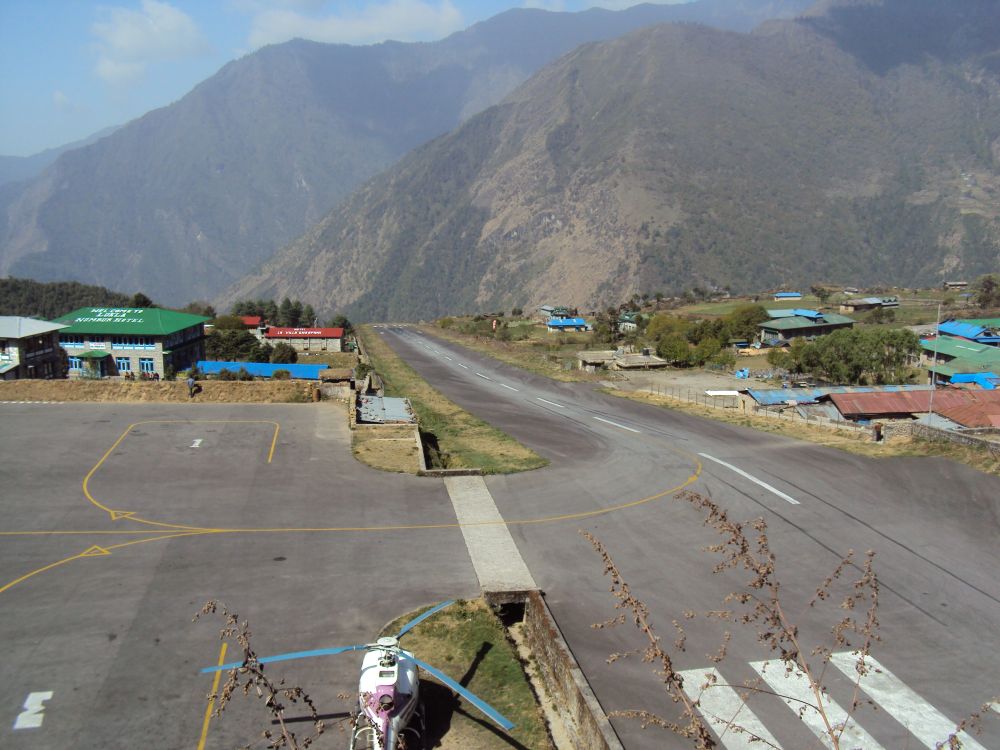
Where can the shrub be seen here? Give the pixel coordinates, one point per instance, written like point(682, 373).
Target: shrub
point(281, 375)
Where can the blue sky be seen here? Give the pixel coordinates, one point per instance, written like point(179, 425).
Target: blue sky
point(72, 67)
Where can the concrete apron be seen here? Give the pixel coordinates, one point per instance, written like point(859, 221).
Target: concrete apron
point(505, 579)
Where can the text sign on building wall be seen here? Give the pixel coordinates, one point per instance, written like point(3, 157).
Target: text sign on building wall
point(112, 315)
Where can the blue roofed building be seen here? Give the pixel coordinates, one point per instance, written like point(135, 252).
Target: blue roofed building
point(567, 324)
point(980, 330)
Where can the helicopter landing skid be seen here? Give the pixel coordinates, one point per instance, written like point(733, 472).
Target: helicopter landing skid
point(364, 736)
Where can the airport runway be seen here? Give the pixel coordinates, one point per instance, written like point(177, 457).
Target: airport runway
point(120, 521)
point(933, 523)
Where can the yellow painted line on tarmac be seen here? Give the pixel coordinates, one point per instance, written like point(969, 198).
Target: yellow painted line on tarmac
point(117, 515)
point(97, 551)
point(211, 701)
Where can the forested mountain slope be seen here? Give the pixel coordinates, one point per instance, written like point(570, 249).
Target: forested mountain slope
point(682, 155)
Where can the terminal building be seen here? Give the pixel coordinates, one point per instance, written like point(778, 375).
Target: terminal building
point(131, 342)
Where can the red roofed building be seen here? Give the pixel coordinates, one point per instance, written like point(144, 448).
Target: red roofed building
point(251, 321)
point(901, 405)
point(307, 339)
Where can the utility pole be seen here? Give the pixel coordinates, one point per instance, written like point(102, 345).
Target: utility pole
point(937, 338)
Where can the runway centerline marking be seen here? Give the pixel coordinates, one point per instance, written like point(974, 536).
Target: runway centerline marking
point(484, 377)
point(752, 478)
point(550, 403)
point(615, 424)
point(508, 387)
point(447, 358)
point(461, 365)
point(197, 443)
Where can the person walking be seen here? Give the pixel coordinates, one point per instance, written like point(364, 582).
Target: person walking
point(192, 386)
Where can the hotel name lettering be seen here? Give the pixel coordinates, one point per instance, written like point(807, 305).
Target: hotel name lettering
point(107, 315)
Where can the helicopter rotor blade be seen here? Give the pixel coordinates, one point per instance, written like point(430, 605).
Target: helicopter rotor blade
point(289, 656)
point(417, 620)
point(471, 697)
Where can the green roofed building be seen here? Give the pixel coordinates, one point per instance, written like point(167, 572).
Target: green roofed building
point(807, 323)
point(131, 342)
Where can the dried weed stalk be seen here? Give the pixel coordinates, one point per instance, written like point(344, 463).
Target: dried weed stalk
point(249, 677)
point(756, 604)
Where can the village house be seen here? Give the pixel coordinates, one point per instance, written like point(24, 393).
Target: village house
point(29, 348)
point(786, 325)
point(307, 339)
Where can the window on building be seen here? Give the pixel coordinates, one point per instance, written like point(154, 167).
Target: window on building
point(75, 363)
point(123, 364)
point(146, 365)
point(70, 340)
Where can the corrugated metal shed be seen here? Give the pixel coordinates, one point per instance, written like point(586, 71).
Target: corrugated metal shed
point(262, 369)
point(777, 396)
point(977, 414)
point(385, 410)
point(853, 405)
point(961, 328)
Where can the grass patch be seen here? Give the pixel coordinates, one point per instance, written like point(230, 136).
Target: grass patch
point(389, 448)
point(462, 440)
point(850, 441)
point(336, 360)
point(550, 354)
point(468, 643)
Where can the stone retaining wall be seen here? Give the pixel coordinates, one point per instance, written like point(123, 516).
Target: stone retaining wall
point(584, 719)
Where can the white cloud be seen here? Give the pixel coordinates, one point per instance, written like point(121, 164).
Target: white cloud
point(131, 39)
point(62, 102)
point(402, 20)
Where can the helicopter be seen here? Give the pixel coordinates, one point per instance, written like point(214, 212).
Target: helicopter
point(389, 714)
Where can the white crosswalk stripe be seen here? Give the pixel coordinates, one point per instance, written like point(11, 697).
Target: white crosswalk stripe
point(798, 693)
point(723, 705)
point(924, 721)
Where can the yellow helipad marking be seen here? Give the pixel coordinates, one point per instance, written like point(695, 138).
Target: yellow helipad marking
point(118, 515)
point(211, 701)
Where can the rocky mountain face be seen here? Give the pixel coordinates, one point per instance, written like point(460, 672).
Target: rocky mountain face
point(824, 148)
point(185, 200)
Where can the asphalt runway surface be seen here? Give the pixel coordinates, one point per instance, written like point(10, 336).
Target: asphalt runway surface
point(122, 520)
point(933, 523)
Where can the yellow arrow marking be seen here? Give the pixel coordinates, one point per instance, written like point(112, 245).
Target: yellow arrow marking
point(117, 515)
point(94, 551)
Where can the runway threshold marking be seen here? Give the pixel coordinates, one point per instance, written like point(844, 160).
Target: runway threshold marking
point(752, 478)
point(550, 403)
point(211, 701)
point(615, 424)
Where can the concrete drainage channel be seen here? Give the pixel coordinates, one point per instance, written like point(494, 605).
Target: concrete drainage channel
point(562, 681)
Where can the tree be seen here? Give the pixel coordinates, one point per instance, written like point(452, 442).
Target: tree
point(340, 321)
point(229, 323)
point(986, 290)
point(141, 300)
point(295, 314)
point(822, 293)
point(674, 348)
point(705, 350)
point(284, 312)
point(308, 316)
point(284, 354)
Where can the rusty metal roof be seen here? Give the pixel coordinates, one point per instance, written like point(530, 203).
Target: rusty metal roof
point(977, 414)
point(909, 402)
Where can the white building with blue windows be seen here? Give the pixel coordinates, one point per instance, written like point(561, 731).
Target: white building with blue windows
point(141, 343)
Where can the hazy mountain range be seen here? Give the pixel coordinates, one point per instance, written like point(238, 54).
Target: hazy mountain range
point(859, 144)
point(185, 200)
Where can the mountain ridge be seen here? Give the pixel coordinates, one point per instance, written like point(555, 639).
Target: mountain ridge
point(674, 156)
point(216, 182)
